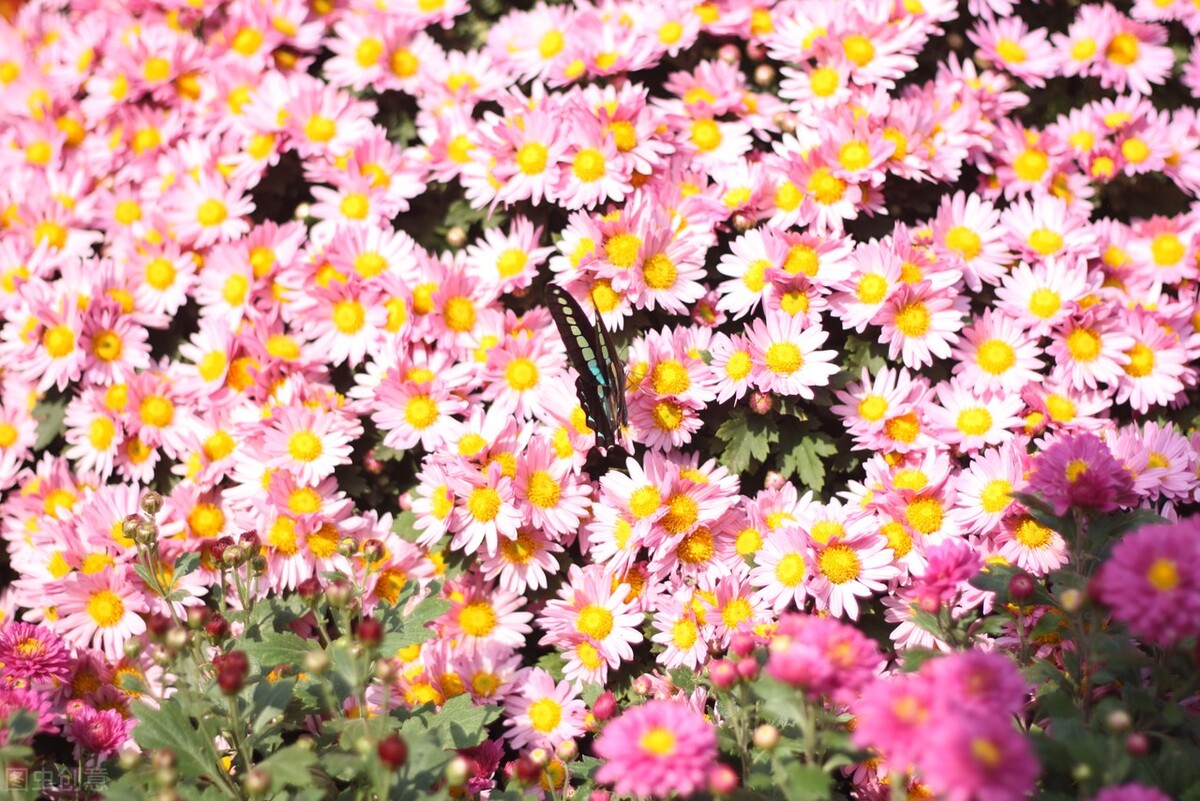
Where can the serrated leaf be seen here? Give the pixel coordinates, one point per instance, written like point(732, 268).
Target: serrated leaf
point(187, 563)
point(132, 684)
point(168, 727)
point(683, 678)
point(553, 663)
point(464, 720)
point(279, 648)
point(801, 782)
point(806, 461)
point(289, 767)
point(21, 725)
point(747, 441)
point(49, 415)
point(270, 698)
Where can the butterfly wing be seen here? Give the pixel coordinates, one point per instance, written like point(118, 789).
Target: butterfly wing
point(589, 356)
point(614, 389)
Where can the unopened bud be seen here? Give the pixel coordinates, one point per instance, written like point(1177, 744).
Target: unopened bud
point(539, 757)
point(1081, 772)
point(566, 750)
point(386, 670)
point(722, 780)
point(197, 616)
point(133, 647)
point(348, 546)
point(257, 782)
point(152, 502)
point(1137, 744)
point(764, 75)
point(1021, 587)
point(373, 550)
point(605, 706)
point(729, 53)
point(458, 770)
point(1118, 720)
point(761, 402)
point(176, 639)
point(722, 673)
point(145, 533)
point(129, 760)
point(766, 737)
point(406, 501)
point(1071, 600)
point(742, 223)
point(372, 464)
point(316, 662)
point(774, 480)
point(393, 751)
point(641, 685)
point(258, 564)
point(456, 237)
point(232, 556)
point(129, 526)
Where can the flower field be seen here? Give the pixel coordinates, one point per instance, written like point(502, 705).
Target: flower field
point(749, 399)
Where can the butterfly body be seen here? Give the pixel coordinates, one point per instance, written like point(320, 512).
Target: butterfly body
point(600, 386)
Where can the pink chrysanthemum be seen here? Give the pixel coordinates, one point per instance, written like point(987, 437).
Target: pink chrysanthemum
point(1152, 581)
point(32, 654)
point(822, 656)
point(656, 750)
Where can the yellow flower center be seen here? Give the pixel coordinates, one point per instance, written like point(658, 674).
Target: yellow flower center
point(1163, 575)
point(1032, 534)
point(682, 514)
point(784, 358)
point(839, 564)
point(790, 570)
point(106, 608)
point(965, 242)
point(531, 158)
point(543, 491)
point(484, 504)
point(925, 514)
point(1141, 361)
point(1044, 303)
point(420, 412)
point(974, 422)
point(996, 495)
point(913, 319)
point(1083, 344)
point(211, 212)
point(545, 715)
point(477, 619)
point(521, 374)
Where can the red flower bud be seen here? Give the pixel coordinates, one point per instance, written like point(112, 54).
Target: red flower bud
point(1021, 587)
point(393, 751)
point(722, 673)
point(605, 706)
point(370, 632)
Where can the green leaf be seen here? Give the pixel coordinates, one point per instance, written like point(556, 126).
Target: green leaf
point(269, 699)
point(801, 782)
point(590, 692)
point(780, 702)
point(913, 658)
point(168, 727)
point(49, 415)
point(747, 441)
point(683, 678)
point(806, 460)
point(553, 663)
point(466, 721)
point(407, 627)
point(131, 684)
point(289, 767)
point(187, 563)
point(21, 725)
point(279, 648)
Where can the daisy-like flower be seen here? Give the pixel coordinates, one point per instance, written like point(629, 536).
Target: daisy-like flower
point(542, 714)
point(967, 232)
point(781, 568)
point(678, 631)
point(480, 615)
point(1010, 45)
point(548, 492)
point(589, 608)
point(1091, 349)
point(920, 323)
point(822, 656)
point(485, 509)
point(961, 417)
point(1029, 545)
point(100, 610)
point(522, 563)
point(657, 750)
point(1079, 471)
point(985, 488)
point(846, 569)
point(785, 356)
point(310, 443)
point(1043, 295)
point(1157, 366)
point(995, 354)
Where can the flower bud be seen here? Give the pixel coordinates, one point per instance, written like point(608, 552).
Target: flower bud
point(756, 51)
point(257, 782)
point(316, 662)
point(217, 628)
point(743, 643)
point(163, 758)
point(1081, 772)
point(566, 750)
point(250, 542)
point(641, 685)
point(729, 53)
point(232, 556)
point(152, 502)
point(526, 770)
point(393, 751)
point(456, 237)
point(1118, 720)
point(761, 402)
point(747, 668)
point(166, 794)
point(458, 770)
point(605, 706)
point(129, 526)
point(373, 550)
point(1137, 744)
point(146, 533)
point(177, 639)
point(338, 593)
point(370, 632)
point(306, 743)
point(348, 546)
point(129, 760)
point(386, 670)
point(1071, 600)
point(258, 564)
point(372, 464)
point(309, 589)
point(764, 75)
point(132, 648)
point(742, 223)
point(303, 211)
point(1021, 587)
point(166, 777)
point(197, 616)
point(722, 780)
point(722, 673)
point(217, 549)
point(405, 501)
point(600, 795)
point(539, 757)
point(766, 737)
point(232, 669)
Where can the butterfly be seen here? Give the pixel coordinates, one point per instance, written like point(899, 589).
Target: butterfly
point(601, 382)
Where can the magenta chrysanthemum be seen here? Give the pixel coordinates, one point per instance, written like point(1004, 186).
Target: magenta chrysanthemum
point(1151, 581)
point(1080, 472)
point(656, 750)
point(32, 654)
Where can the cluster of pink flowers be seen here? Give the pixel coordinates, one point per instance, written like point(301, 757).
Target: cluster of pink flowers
point(192, 341)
